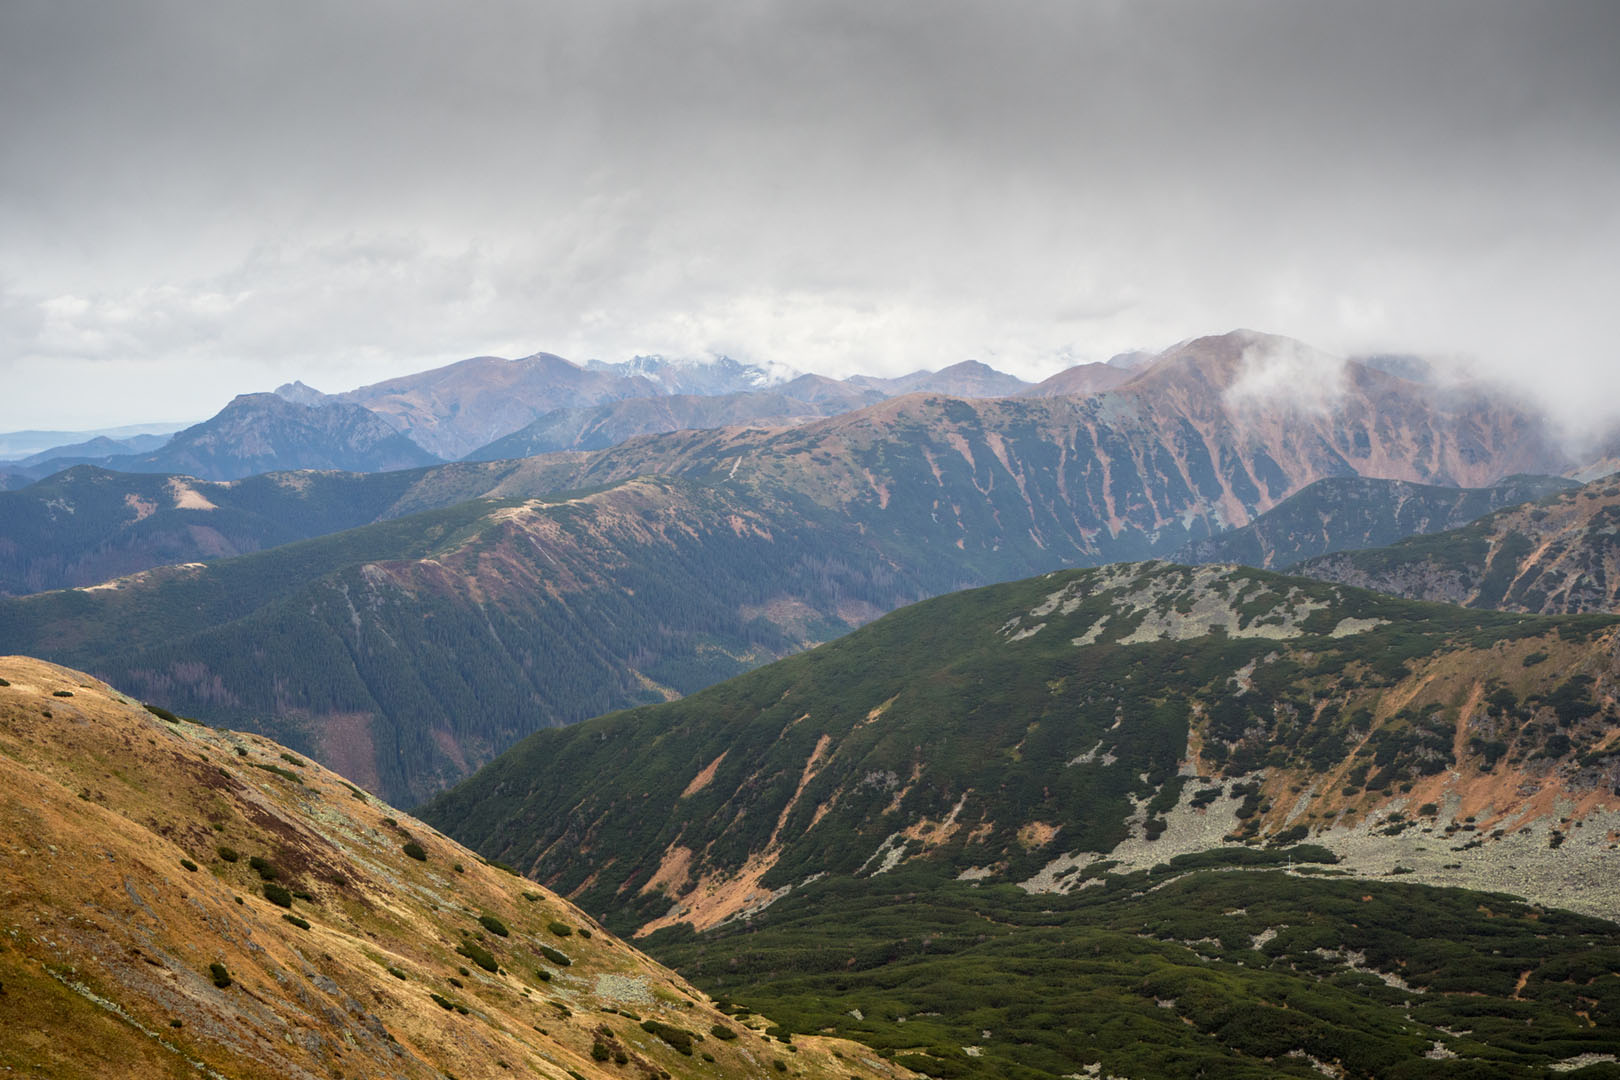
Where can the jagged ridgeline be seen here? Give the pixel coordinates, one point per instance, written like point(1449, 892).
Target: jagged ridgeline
point(836, 836)
point(183, 901)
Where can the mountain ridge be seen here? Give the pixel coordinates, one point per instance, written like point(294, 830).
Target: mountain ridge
point(989, 719)
point(408, 651)
point(257, 433)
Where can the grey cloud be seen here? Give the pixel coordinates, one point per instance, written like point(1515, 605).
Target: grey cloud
point(358, 189)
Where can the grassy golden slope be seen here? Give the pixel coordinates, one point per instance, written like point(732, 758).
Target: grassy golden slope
point(118, 893)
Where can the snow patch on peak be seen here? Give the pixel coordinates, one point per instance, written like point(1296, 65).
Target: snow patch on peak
point(711, 374)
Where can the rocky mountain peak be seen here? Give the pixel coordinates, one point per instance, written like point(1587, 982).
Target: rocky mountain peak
point(300, 394)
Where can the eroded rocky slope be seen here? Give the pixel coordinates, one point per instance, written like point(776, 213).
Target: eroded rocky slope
point(1044, 732)
point(1143, 821)
point(1556, 555)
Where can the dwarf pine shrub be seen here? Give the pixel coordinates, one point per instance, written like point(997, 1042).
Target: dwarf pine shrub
point(679, 1038)
point(478, 955)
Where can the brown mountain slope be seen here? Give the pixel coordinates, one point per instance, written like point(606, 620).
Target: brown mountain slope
point(967, 379)
point(408, 652)
point(1204, 439)
point(139, 938)
point(1560, 555)
point(1308, 411)
point(597, 427)
point(1081, 379)
point(451, 410)
point(836, 522)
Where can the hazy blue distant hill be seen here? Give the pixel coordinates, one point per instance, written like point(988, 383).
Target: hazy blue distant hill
point(255, 433)
point(259, 433)
point(21, 444)
point(98, 448)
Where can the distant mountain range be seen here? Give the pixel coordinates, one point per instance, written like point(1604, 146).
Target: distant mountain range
point(99, 447)
point(452, 410)
point(258, 433)
point(15, 445)
point(487, 407)
point(358, 647)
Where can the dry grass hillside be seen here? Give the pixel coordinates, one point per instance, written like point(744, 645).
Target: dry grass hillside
point(178, 901)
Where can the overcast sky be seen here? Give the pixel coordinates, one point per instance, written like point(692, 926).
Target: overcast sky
point(200, 199)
